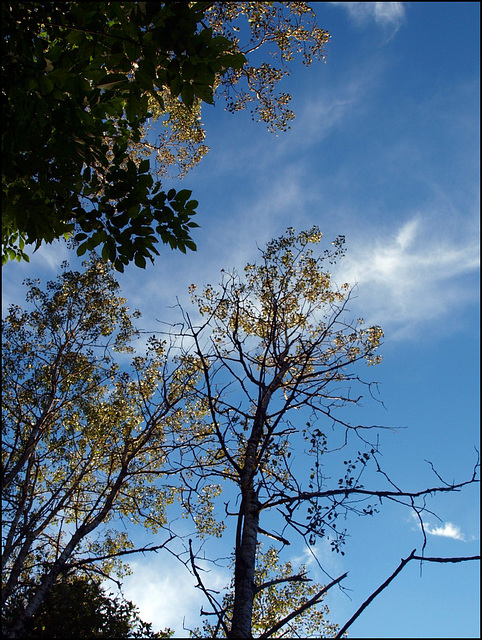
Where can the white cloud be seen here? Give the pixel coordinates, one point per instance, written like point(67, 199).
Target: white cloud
point(448, 530)
point(322, 115)
point(386, 14)
point(411, 276)
point(320, 556)
point(338, 101)
point(445, 530)
point(54, 254)
point(166, 595)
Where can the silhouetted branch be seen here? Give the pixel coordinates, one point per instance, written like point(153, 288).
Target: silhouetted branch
point(297, 578)
point(219, 613)
point(457, 559)
point(390, 495)
point(402, 564)
point(274, 536)
point(79, 563)
point(375, 593)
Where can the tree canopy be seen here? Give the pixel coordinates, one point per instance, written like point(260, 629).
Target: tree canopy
point(82, 82)
point(282, 360)
point(238, 414)
point(78, 78)
point(84, 440)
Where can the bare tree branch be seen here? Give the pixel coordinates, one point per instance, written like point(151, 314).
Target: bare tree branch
point(455, 559)
point(385, 584)
point(391, 495)
point(84, 561)
point(297, 578)
point(218, 611)
point(375, 593)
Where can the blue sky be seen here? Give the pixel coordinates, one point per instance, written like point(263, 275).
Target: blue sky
point(385, 150)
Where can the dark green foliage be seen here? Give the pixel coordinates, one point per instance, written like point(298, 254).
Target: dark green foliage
point(78, 607)
point(78, 77)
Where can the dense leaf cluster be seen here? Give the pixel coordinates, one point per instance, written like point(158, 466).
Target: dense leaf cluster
point(77, 81)
point(78, 607)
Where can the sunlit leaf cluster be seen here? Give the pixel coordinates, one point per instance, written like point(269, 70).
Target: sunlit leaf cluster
point(268, 37)
point(285, 30)
point(85, 441)
point(279, 591)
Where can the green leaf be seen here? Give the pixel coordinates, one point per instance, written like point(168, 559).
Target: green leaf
point(192, 204)
point(140, 260)
point(46, 85)
point(188, 70)
point(144, 166)
point(59, 76)
point(206, 35)
point(234, 60)
point(191, 245)
point(144, 79)
point(176, 85)
point(75, 37)
point(183, 195)
point(187, 94)
point(205, 92)
point(82, 249)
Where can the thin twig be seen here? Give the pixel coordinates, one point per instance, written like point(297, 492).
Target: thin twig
point(211, 599)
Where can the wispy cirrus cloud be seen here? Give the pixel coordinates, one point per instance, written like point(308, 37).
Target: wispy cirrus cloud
point(410, 275)
point(385, 14)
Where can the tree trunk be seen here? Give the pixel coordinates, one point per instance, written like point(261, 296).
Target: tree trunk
point(244, 585)
point(247, 538)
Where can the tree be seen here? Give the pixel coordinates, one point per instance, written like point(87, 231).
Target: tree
point(85, 441)
point(281, 364)
point(78, 607)
point(282, 599)
point(82, 81)
point(77, 79)
point(284, 30)
point(234, 408)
